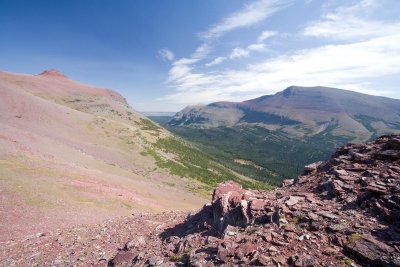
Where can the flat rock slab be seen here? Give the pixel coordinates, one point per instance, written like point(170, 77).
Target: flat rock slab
point(371, 250)
point(293, 200)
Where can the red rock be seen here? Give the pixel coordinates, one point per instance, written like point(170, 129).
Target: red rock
point(123, 258)
point(293, 200)
point(371, 250)
point(304, 261)
point(287, 182)
point(312, 167)
point(264, 260)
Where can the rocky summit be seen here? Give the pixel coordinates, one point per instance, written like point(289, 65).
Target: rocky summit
point(341, 212)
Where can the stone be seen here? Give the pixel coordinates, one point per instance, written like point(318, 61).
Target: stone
point(230, 207)
point(135, 243)
point(223, 254)
point(304, 261)
point(122, 258)
point(198, 260)
point(311, 167)
point(371, 250)
point(272, 249)
point(340, 173)
point(326, 214)
point(287, 182)
point(263, 260)
point(338, 227)
point(293, 200)
point(289, 228)
point(155, 261)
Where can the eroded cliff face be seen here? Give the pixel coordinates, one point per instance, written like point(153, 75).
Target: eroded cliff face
point(344, 211)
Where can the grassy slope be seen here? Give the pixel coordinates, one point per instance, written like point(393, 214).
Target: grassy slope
point(256, 152)
point(184, 160)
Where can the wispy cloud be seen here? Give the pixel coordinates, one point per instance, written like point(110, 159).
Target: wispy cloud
point(359, 54)
point(347, 66)
point(238, 52)
point(349, 22)
point(266, 35)
point(216, 61)
point(250, 15)
point(256, 47)
point(166, 54)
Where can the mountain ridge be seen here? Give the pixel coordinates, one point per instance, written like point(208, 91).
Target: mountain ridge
point(305, 107)
point(72, 153)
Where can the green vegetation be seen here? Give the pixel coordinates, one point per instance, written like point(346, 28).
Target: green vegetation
point(348, 262)
point(367, 121)
point(148, 125)
point(186, 161)
point(353, 238)
point(268, 118)
point(276, 155)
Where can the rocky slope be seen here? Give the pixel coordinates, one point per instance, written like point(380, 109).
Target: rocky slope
point(342, 212)
point(72, 153)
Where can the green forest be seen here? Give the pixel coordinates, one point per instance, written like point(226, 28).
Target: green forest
point(253, 151)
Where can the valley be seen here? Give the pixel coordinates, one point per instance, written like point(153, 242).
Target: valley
point(281, 133)
point(200, 133)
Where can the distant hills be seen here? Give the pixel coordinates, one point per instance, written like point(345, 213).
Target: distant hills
point(273, 136)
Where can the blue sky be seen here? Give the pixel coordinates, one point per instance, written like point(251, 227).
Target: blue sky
point(164, 55)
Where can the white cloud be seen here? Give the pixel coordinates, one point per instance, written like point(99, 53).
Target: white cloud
point(250, 15)
point(166, 54)
point(350, 23)
point(238, 52)
point(266, 35)
point(256, 47)
point(349, 66)
point(202, 51)
point(180, 68)
point(216, 61)
point(363, 51)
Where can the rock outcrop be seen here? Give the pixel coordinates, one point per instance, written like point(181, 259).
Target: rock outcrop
point(342, 212)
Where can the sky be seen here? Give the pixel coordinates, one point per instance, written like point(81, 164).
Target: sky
point(163, 55)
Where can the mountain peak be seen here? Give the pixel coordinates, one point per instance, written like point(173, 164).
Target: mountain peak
point(53, 73)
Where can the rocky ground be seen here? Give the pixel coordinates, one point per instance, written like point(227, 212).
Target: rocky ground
point(342, 212)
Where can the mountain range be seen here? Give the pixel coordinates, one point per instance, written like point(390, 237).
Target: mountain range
point(302, 111)
point(271, 137)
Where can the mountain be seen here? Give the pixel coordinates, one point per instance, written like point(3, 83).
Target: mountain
point(72, 153)
point(271, 137)
point(342, 212)
point(302, 111)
